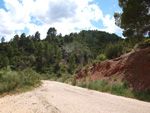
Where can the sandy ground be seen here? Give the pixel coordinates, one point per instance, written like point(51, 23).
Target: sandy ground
point(54, 97)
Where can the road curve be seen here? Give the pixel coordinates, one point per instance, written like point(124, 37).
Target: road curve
point(55, 97)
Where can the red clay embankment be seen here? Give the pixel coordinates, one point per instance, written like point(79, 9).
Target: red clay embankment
point(133, 67)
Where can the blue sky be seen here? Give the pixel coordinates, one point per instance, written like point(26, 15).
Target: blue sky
point(29, 16)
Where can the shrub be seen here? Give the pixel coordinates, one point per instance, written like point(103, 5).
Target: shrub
point(30, 77)
point(147, 41)
point(5, 62)
point(74, 80)
point(94, 62)
point(118, 88)
point(114, 50)
point(59, 73)
point(9, 80)
point(144, 96)
point(89, 79)
point(101, 57)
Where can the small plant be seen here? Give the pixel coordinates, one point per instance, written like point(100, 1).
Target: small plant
point(114, 78)
point(82, 83)
point(89, 80)
point(101, 57)
point(147, 41)
point(94, 62)
point(74, 80)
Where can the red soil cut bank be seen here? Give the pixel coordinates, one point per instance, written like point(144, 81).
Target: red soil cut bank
point(133, 67)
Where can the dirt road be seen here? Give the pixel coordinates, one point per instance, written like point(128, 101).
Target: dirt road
point(54, 97)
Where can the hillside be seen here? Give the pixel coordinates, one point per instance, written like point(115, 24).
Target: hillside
point(46, 55)
point(133, 67)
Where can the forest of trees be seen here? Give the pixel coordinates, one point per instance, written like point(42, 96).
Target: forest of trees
point(56, 54)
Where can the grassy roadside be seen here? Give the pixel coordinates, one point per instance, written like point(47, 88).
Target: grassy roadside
point(120, 89)
point(22, 89)
point(116, 88)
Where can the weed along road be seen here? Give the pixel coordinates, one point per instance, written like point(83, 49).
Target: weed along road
point(55, 97)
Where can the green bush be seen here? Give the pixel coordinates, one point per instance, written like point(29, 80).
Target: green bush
point(74, 80)
point(100, 85)
point(94, 62)
point(133, 40)
point(101, 57)
point(9, 80)
point(29, 77)
point(114, 50)
point(144, 96)
point(118, 88)
point(147, 41)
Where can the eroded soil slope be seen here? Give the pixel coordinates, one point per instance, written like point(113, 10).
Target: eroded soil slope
point(133, 67)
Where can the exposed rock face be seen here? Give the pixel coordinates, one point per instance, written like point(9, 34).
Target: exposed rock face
point(133, 67)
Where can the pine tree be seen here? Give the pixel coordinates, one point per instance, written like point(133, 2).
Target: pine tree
point(72, 63)
point(5, 62)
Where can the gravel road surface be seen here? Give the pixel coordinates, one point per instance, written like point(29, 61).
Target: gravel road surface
point(55, 97)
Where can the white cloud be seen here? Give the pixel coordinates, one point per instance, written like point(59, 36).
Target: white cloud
point(109, 23)
point(64, 15)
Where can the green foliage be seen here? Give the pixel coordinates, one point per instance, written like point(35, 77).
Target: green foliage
point(144, 96)
point(94, 62)
point(49, 55)
point(100, 85)
point(133, 40)
point(58, 55)
point(37, 36)
point(10, 80)
point(101, 57)
point(117, 88)
point(114, 50)
point(10, 52)
point(5, 62)
point(22, 40)
point(52, 32)
point(72, 63)
point(89, 79)
point(147, 41)
point(134, 19)
point(74, 80)
point(85, 58)
point(114, 88)
point(29, 77)
point(31, 47)
point(97, 85)
point(32, 59)
point(15, 62)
